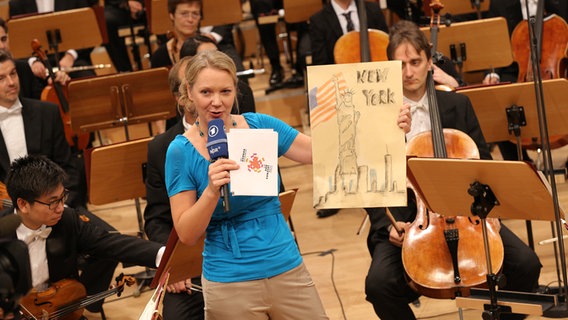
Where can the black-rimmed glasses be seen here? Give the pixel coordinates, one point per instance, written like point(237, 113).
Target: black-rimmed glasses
point(52, 205)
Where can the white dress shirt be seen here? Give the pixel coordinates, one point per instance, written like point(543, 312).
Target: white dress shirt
point(342, 21)
point(420, 116)
point(12, 127)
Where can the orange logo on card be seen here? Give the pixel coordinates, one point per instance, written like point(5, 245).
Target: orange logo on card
point(255, 163)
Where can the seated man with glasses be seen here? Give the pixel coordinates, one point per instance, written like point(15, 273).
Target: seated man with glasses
point(54, 233)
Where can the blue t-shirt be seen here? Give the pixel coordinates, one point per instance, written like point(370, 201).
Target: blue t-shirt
point(252, 241)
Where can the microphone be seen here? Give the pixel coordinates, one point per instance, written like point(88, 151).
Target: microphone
point(9, 224)
point(217, 148)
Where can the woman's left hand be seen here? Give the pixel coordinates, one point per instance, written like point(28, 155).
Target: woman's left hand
point(404, 120)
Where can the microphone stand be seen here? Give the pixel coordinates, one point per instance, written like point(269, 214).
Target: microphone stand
point(535, 27)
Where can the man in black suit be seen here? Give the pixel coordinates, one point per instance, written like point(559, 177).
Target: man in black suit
point(55, 234)
point(67, 59)
point(386, 287)
point(330, 23)
point(29, 126)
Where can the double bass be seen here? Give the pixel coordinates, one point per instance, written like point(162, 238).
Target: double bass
point(443, 255)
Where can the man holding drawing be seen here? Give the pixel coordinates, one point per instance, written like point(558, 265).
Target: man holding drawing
point(386, 287)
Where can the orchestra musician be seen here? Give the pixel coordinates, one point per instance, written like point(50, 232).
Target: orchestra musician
point(54, 233)
point(331, 22)
point(385, 286)
point(30, 85)
point(186, 18)
point(340, 17)
point(29, 126)
point(68, 59)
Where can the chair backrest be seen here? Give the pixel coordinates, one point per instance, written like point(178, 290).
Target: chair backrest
point(300, 10)
point(116, 172)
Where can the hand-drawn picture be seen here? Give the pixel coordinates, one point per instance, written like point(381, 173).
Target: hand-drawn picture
point(359, 155)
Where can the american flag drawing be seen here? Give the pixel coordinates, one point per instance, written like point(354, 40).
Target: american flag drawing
point(322, 100)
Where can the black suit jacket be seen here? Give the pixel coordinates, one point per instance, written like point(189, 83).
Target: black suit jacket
point(158, 221)
point(325, 30)
point(43, 129)
point(72, 237)
point(456, 112)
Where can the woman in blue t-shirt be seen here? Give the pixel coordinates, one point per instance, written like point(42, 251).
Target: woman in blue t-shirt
point(252, 268)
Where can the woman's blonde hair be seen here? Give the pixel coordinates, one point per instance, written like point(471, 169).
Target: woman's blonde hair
point(207, 59)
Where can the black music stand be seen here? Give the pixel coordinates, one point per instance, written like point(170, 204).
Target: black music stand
point(120, 99)
point(466, 44)
point(502, 189)
point(69, 29)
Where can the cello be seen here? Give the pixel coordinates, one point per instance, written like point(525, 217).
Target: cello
point(361, 46)
point(553, 61)
point(57, 94)
point(443, 255)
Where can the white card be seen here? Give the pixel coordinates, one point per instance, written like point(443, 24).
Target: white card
point(256, 152)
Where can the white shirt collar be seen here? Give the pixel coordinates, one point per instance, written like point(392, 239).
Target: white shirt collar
point(339, 13)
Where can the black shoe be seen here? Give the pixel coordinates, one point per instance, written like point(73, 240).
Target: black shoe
point(324, 213)
point(295, 81)
point(276, 76)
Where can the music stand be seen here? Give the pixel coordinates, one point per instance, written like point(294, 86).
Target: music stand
point(69, 29)
point(471, 40)
point(184, 262)
point(491, 102)
point(120, 99)
point(502, 189)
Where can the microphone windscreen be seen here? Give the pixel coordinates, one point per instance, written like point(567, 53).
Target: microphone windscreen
point(9, 224)
point(217, 140)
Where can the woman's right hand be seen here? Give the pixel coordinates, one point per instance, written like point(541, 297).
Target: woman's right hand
point(219, 173)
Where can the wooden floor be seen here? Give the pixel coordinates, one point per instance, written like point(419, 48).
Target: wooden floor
point(334, 248)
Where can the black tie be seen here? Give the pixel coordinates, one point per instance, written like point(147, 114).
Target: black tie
point(347, 16)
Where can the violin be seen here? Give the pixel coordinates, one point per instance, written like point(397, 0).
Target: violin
point(5, 200)
point(361, 46)
point(57, 94)
point(66, 299)
point(553, 62)
point(443, 255)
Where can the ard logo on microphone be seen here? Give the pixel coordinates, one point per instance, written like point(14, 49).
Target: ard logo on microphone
point(213, 131)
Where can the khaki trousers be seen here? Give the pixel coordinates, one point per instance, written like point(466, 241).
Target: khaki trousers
point(291, 295)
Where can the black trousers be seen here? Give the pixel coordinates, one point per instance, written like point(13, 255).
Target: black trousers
point(387, 290)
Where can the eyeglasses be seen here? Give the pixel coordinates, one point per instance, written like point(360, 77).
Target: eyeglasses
point(55, 203)
point(188, 14)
